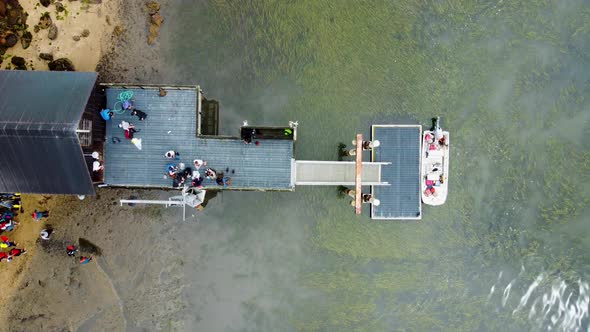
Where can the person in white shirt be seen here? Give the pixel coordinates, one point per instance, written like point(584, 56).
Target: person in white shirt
point(198, 163)
point(96, 166)
point(172, 155)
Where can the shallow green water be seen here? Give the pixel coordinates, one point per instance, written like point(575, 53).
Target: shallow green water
point(511, 83)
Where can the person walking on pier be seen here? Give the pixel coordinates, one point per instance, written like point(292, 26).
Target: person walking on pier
point(139, 114)
point(211, 174)
point(223, 180)
point(172, 155)
point(171, 170)
point(198, 163)
point(367, 145)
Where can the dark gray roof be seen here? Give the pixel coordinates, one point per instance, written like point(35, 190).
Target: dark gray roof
point(400, 145)
point(39, 113)
point(171, 125)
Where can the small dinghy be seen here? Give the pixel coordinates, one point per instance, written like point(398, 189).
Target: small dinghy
point(434, 176)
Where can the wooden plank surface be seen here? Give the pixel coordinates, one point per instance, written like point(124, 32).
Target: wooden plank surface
point(359, 166)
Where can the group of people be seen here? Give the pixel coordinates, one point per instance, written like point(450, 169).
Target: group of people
point(9, 208)
point(10, 202)
point(5, 243)
point(367, 145)
point(45, 235)
point(129, 129)
point(180, 174)
point(436, 142)
point(8, 222)
point(365, 198)
point(127, 105)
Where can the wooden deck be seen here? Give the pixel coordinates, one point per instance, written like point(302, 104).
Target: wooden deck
point(171, 125)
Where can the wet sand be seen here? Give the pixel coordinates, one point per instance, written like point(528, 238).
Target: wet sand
point(133, 281)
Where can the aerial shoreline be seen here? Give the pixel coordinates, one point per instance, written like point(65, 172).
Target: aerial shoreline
point(91, 296)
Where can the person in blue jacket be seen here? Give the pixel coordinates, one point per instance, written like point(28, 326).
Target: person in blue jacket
point(107, 114)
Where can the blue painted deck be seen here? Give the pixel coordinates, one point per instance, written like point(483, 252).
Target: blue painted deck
point(171, 125)
point(400, 145)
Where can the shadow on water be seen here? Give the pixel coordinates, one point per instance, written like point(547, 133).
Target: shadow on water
point(508, 80)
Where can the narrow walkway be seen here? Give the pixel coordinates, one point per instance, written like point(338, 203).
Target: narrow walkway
point(334, 173)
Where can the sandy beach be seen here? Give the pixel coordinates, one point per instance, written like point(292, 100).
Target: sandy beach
point(130, 277)
point(44, 289)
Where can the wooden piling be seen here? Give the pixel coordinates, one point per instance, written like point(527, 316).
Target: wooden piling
point(359, 165)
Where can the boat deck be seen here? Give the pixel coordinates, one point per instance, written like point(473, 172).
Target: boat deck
point(171, 124)
point(400, 146)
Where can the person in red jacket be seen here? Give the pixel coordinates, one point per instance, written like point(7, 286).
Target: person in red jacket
point(85, 260)
point(15, 253)
point(71, 250)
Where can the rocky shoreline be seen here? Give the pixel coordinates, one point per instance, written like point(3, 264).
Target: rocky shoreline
point(72, 35)
point(55, 34)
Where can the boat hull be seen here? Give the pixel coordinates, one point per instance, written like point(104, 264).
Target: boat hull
point(434, 168)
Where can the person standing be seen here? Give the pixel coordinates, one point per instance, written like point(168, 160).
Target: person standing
point(45, 234)
point(97, 166)
point(71, 250)
point(198, 163)
point(172, 155)
point(223, 181)
point(171, 170)
point(211, 174)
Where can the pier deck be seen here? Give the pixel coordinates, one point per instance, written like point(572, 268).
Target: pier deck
point(171, 125)
point(400, 146)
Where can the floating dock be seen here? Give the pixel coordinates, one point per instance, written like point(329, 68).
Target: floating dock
point(172, 125)
point(400, 147)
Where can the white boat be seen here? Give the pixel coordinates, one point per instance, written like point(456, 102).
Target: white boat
point(434, 177)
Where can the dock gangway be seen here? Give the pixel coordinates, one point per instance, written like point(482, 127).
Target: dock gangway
point(335, 173)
